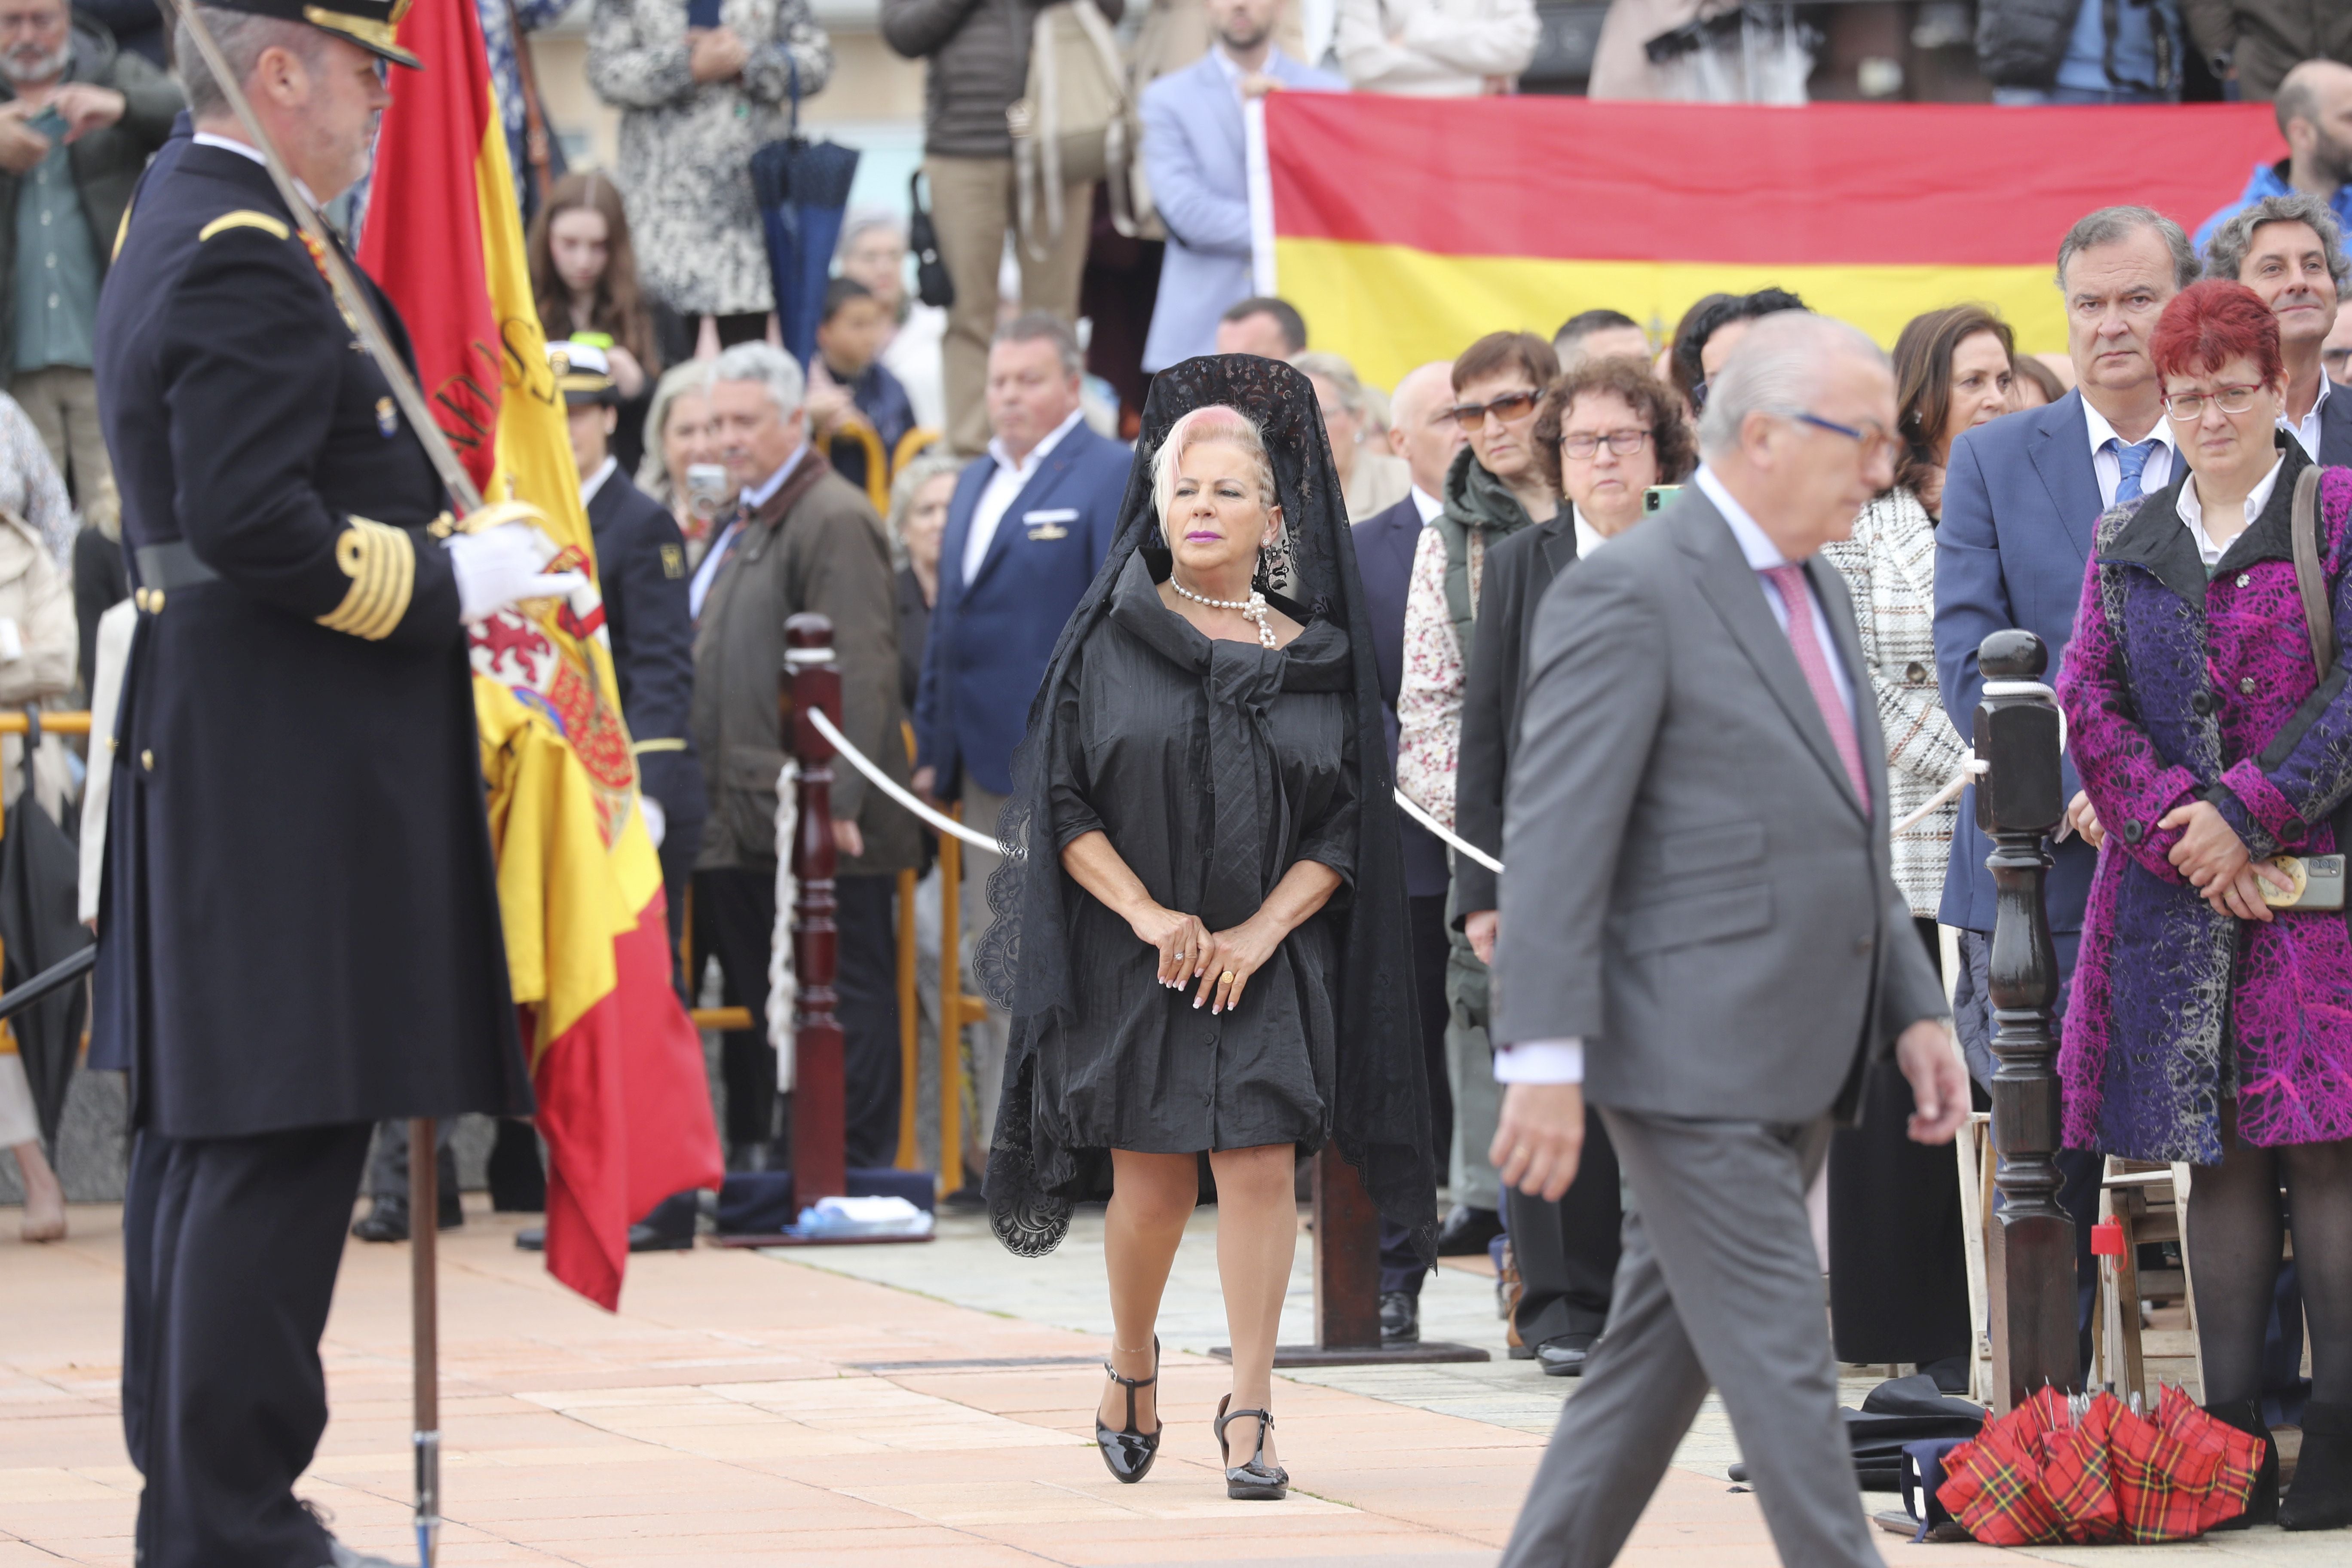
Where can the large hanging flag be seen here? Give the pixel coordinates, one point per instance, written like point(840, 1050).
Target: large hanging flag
point(616, 1064)
point(1403, 228)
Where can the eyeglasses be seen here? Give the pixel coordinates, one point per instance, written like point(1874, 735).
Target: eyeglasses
point(1875, 441)
point(2188, 408)
point(1510, 406)
point(1583, 447)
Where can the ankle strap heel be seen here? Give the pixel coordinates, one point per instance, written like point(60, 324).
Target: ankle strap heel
point(1255, 1481)
point(1129, 1453)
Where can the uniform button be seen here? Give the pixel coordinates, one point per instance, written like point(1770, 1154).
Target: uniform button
point(2293, 827)
point(1917, 674)
point(155, 601)
point(2246, 687)
point(147, 760)
point(2201, 704)
point(138, 597)
point(2244, 579)
point(2134, 832)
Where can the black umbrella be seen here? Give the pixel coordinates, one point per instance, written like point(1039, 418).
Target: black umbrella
point(803, 188)
point(40, 879)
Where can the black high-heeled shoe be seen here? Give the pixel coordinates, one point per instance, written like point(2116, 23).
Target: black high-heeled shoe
point(1256, 1481)
point(2262, 1505)
point(2322, 1498)
point(1129, 1453)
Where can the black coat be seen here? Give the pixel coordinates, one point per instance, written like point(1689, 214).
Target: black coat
point(300, 918)
point(641, 568)
point(1384, 545)
point(1518, 572)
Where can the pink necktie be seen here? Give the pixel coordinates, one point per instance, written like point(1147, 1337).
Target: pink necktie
point(1814, 662)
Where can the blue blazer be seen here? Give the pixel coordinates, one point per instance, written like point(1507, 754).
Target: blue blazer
point(2020, 506)
point(990, 638)
point(1196, 154)
point(1385, 542)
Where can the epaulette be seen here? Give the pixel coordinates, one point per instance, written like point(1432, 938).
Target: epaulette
point(274, 227)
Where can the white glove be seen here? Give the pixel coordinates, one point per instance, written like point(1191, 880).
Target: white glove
point(656, 820)
point(500, 565)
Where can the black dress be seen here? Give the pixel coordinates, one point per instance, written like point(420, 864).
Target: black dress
point(1213, 768)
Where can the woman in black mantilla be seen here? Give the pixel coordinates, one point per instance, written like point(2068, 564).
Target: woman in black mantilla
point(1214, 956)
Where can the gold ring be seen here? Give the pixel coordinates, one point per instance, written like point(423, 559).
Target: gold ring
point(1226, 978)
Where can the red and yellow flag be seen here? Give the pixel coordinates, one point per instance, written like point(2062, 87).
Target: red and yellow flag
point(1404, 228)
point(616, 1064)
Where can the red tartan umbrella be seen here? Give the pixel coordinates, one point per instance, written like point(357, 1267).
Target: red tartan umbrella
point(2056, 1470)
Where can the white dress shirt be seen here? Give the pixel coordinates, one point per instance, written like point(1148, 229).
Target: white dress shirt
point(2192, 512)
point(1588, 538)
point(243, 150)
point(2110, 467)
point(1004, 485)
point(1562, 1061)
point(2308, 431)
point(1428, 505)
point(596, 481)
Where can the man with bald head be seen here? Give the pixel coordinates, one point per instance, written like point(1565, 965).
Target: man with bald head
point(1423, 431)
point(2315, 115)
point(1701, 931)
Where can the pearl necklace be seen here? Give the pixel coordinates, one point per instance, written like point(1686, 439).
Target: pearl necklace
point(1253, 609)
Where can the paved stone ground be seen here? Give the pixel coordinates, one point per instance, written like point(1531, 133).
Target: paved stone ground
point(863, 1407)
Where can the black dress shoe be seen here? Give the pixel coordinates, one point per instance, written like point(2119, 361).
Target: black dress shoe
point(1466, 1231)
point(533, 1239)
point(669, 1227)
point(2246, 1415)
point(1564, 1356)
point(1400, 1318)
point(387, 1218)
point(2322, 1498)
point(1130, 1451)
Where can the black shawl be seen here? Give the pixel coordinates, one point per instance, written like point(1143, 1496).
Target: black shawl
point(1380, 1118)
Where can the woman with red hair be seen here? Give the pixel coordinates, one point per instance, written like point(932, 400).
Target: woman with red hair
point(2212, 1018)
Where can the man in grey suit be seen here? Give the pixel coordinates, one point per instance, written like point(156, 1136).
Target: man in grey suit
point(1701, 930)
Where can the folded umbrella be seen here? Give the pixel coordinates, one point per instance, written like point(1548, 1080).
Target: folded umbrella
point(40, 881)
point(802, 189)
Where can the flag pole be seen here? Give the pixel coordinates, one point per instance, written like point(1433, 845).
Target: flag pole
point(424, 1199)
point(356, 306)
point(425, 1325)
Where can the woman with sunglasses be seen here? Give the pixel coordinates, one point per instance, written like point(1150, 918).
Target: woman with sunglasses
point(2209, 1021)
point(1496, 486)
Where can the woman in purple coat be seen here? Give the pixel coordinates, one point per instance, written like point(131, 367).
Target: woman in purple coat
point(2208, 1023)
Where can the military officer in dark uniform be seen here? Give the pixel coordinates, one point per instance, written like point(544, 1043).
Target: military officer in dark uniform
point(300, 931)
point(641, 568)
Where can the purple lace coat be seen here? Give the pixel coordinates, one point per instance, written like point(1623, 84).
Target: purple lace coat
point(2173, 687)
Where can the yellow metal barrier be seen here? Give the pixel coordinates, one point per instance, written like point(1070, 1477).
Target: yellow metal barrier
point(911, 445)
point(62, 723)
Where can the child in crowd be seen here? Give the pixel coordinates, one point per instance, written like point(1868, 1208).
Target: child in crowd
point(849, 384)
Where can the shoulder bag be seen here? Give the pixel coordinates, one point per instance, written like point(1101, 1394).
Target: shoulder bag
point(1076, 123)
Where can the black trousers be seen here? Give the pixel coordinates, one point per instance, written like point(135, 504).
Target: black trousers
point(1567, 1252)
point(1399, 1265)
point(230, 1247)
point(867, 1004)
point(734, 922)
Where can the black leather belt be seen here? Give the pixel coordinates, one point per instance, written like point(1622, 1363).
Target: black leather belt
point(163, 568)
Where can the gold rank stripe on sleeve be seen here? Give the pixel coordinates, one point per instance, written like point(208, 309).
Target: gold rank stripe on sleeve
point(245, 218)
point(381, 562)
point(642, 747)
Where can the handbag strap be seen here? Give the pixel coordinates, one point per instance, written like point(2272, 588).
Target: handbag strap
point(2302, 529)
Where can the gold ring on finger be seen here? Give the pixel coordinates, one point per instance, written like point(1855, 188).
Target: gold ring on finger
point(1226, 978)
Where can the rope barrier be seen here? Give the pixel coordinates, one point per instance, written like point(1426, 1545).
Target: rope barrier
point(903, 795)
point(1413, 809)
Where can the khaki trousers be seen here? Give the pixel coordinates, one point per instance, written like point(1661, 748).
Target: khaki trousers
point(62, 403)
point(973, 206)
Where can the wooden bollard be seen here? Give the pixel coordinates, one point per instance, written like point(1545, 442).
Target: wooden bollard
point(2030, 1257)
point(808, 682)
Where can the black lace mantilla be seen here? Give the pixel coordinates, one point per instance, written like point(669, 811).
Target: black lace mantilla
point(1380, 1114)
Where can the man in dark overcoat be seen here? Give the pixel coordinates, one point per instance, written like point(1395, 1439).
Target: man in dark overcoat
point(300, 932)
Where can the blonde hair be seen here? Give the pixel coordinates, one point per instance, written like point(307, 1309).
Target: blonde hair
point(1214, 424)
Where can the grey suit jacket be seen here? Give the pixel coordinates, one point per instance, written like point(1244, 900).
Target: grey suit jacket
point(1694, 887)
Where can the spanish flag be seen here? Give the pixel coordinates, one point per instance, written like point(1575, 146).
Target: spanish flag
point(616, 1064)
point(1405, 228)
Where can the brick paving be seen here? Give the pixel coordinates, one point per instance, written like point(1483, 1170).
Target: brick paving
point(865, 1408)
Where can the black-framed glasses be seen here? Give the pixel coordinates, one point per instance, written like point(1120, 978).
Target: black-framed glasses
point(1875, 442)
point(1583, 447)
point(1511, 406)
point(2188, 408)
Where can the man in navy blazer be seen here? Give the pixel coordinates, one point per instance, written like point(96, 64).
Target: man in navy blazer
point(2022, 496)
point(1425, 435)
point(1029, 525)
point(1196, 154)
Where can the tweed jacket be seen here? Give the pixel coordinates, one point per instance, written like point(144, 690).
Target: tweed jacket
point(685, 169)
point(1889, 567)
point(2175, 687)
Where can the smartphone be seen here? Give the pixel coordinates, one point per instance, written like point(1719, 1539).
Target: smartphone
point(702, 13)
point(705, 488)
point(1657, 496)
point(2319, 882)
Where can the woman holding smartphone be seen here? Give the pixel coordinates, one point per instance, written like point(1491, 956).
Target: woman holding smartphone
point(2211, 1017)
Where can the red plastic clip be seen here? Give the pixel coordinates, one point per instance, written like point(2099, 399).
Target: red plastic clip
point(2107, 1239)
